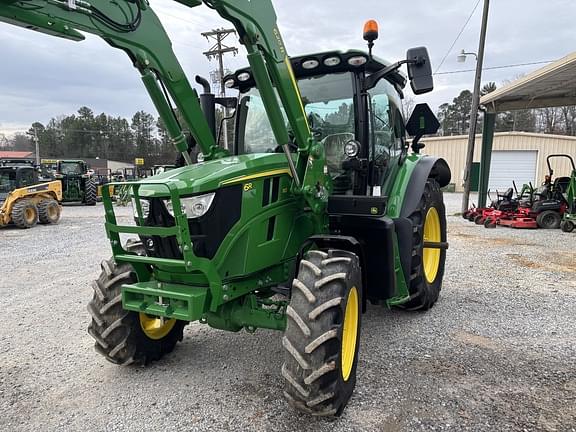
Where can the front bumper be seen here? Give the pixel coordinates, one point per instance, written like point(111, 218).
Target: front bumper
point(168, 299)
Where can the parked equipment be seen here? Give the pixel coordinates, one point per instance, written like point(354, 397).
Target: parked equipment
point(77, 184)
point(543, 207)
point(569, 221)
point(321, 208)
point(25, 202)
point(505, 203)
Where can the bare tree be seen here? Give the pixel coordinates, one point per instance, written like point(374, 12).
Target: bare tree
point(408, 105)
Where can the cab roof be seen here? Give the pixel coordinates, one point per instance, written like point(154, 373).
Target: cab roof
point(348, 61)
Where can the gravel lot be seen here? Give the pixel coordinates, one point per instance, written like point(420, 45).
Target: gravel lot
point(498, 351)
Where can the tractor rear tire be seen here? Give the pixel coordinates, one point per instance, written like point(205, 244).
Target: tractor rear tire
point(24, 214)
point(427, 268)
point(567, 226)
point(49, 211)
point(119, 334)
point(90, 193)
point(322, 336)
point(549, 219)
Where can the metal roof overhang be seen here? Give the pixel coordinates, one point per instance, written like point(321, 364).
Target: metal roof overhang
point(551, 86)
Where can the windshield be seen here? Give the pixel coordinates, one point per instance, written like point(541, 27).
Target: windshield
point(7, 180)
point(328, 102)
point(71, 168)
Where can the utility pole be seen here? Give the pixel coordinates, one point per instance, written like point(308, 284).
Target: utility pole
point(474, 111)
point(37, 145)
point(217, 51)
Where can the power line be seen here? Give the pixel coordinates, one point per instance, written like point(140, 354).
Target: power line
point(495, 67)
point(186, 20)
point(217, 51)
point(457, 37)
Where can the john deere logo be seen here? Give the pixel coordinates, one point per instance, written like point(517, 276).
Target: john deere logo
point(374, 210)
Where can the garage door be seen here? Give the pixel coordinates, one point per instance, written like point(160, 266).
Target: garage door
point(508, 166)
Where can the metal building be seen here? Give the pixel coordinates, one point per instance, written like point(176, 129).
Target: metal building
point(516, 156)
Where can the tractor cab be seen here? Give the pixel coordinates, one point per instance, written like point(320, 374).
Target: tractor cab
point(16, 162)
point(71, 168)
point(353, 105)
point(15, 177)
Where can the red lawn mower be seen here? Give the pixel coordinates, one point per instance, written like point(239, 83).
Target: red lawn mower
point(545, 207)
point(504, 202)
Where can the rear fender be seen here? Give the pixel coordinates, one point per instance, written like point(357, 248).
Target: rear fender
point(426, 167)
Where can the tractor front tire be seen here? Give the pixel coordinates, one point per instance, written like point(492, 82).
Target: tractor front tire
point(549, 219)
point(49, 211)
point(24, 214)
point(125, 337)
point(322, 336)
point(427, 266)
point(90, 193)
point(567, 226)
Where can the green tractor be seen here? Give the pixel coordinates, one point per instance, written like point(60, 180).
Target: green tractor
point(569, 219)
point(77, 184)
point(322, 207)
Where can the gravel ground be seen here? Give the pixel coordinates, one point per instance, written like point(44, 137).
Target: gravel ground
point(497, 352)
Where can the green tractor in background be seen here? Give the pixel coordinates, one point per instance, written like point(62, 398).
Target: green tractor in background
point(322, 206)
point(77, 184)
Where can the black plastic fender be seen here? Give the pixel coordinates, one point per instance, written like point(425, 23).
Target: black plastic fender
point(427, 167)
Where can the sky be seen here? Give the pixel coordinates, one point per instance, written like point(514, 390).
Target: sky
point(43, 77)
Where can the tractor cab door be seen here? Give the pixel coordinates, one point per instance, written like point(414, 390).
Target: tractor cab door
point(330, 105)
point(387, 136)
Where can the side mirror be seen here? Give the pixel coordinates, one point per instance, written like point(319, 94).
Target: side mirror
point(419, 70)
point(422, 122)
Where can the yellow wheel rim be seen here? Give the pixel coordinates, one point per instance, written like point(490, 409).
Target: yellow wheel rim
point(154, 327)
point(349, 333)
point(52, 212)
point(432, 233)
point(29, 215)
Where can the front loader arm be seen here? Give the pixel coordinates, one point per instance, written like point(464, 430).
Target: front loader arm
point(255, 22)
point(132, 26)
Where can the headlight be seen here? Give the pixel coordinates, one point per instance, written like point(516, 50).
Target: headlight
point(357, 61)
point(244, 76)
point(193, 207)
point(310, 64)
point(332, 61)
point(144, 204)
point(352, 148)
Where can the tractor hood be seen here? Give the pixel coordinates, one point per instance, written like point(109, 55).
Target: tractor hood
point(211, 175)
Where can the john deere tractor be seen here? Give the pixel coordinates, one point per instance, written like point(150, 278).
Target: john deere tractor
point(322, 206)
point(77, 184)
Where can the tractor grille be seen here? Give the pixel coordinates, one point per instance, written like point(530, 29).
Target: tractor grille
point(206, 232)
